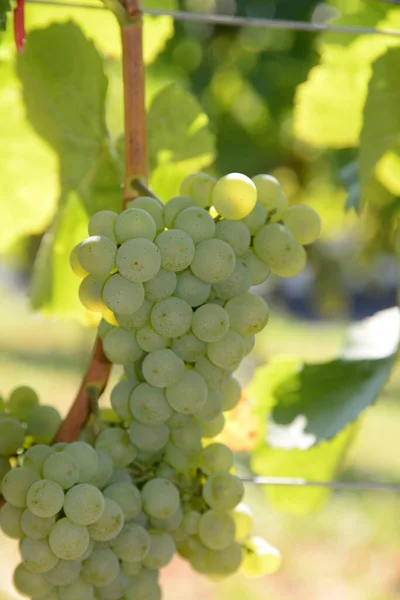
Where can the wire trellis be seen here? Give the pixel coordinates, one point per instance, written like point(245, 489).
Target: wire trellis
point(369, 486)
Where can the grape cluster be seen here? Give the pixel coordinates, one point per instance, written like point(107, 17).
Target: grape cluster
point(99, 517)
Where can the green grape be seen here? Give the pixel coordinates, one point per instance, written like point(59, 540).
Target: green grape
point(149, 405)
point(115, 442)
point(211, 429)
point(120, 346)
point(103, 328)
point(170, 523)
point(270, 195)
point(223, 491)
point(190, 522)
point(215, 459)
point(161, 286)
point(293, 263)
point(110, 523)
point(152, 206)
point(143, 589)
point(104, 470)
point(190, 547)
point(199, 563)
point(43, 423)
point(243, 517)
point(101, 568)
point(216, 529)
point(214, 261)
point(78, 590)
point(127, 496)
point(119, 399)
point(189, 394)
point(162, 550)
point(202, 188)
point(188, 347)
point(16, 483)
point(249, 343)
point(148, 438)
point(212, 407)
point(133, 543)
point(210, 323)
point(35, 527)
point(185, 433)
point(176, 248)
point(86, 459)
point(228, 352)
point(171, 317)
point(114, 590)
point(180, 460)
point(234, 196)
point(31, 584)
point(36, 455)
point(138, 260)
point(258, 268)
point(238, 283)
point(10, 521)
point(273, 243)
point(90, 292)
point(234, 233)
point(186, 187)
point(260, 558)
point(231, 393)
point(247, 313)
point(61, 468)
point(64, 573)
point(45, 498)
point(213, 375)
point(150, 340)
point(103, 223)
point(21, 400)
point(162, 367)
point(97, 255)
point(12, 435)
point(83, 504)
point(256, 219)
point(166, 472)
point(75, 264)
point(304, 223)
point(174, 207)
point(225, 562)
point(120, 475)
point(197, 223)
point(135, 223)
point(4, 468)
point(136, 319)
point(68, 540)
point(37, 556)
point(122, 296)
point(191, 289)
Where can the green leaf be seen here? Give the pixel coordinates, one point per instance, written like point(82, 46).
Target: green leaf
point(381, 131)
point(5, 7)
point(180, 141)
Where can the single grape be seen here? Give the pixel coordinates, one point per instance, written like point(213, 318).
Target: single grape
point(179, 459)
point(169, 524)
point(238, 283)
point(119, 398)
point(202, 188)
point(162, 549)
point(293, 263)
point(214, 260)
point(228, 352)
point(174, 207)
point(273, 243)
point(210, 323)
point(216, 458)
point(234, 233)
point(75, 263)
point(176, 248)
point(36, 455)
point(152, 206)
point(133, 543)
point(104, 470)
point(31, 584)
point(45, 498)
point(102, 223)
point(134, 223)
point(10, 521)
point(270, 195)
point(136, 319)
point(110, 523)
point(12, 435)
point(161, 286)
point(16, 483)
point(127, 496)
point(190, 522)
point(120, 475)
point(213, 375)
point(43, 423)
point(304, 223)
point(216, 529)
point(64, 573)
point(234, 196)
point(171, 317)
point(260, 558)
point(223, 491)
point(186, 187)
point(115, 442)
point(122, 296)
point(249, 343)
point(85, 457)
point(114, 590)
point(148, 438)
point(97, 255)
point(150, 340)
point(78, 590)
point(224, 562)
point(148, 405)
point(188, 347)
point(101, 568)
point(185, 433)
point(21, 400)
point(247, 313)
point(138, 260)
point(68, 540)
point(197, 223)
point(231, 393)
point(84, 504)
point(90, 292)
point(189, 394)
point(35, 527)
point(191, 289)
point(162, 367)
point(256, 219)
point(120, 346)
point(211, 429)
point(259, 269)
point(37, 556)
point(212, 407)
point(61, 468)
point(143, 589)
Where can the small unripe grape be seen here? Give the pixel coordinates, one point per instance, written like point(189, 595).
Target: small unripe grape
point(234, 196)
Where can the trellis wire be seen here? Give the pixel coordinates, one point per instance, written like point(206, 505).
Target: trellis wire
point(332, 485)
point(234, 21)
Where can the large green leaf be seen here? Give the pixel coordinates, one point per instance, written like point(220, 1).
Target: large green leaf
point(5, 7)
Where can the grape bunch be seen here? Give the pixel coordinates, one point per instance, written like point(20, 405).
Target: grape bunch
point(100, 517)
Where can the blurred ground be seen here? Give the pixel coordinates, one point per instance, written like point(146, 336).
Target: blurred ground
point(349, 550)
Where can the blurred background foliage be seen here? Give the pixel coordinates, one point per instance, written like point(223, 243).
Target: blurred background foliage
point(321, 113)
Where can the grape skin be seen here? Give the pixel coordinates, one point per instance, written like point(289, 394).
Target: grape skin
point(122, 296)
point(234, 196)
point(214, 261)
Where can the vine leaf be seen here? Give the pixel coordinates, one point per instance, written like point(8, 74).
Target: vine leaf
point(5, 7)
